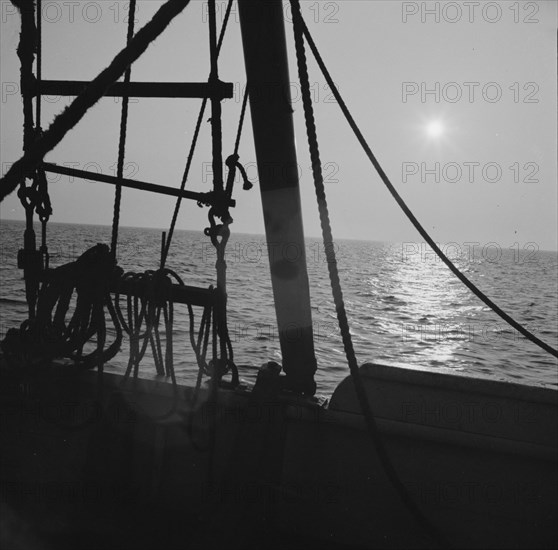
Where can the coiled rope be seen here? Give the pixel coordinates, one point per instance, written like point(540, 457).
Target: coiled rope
point(424, 234)
point(337, 292)
point(49, 335)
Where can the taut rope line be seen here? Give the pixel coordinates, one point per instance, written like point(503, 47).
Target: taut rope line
point(424, 234)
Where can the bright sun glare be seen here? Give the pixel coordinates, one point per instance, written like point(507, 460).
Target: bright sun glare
point(435, 129)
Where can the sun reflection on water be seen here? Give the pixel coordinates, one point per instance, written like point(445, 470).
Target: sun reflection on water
point(423, 304)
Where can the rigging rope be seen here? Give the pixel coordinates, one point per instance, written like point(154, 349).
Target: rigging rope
point(66, 120)
point(122, 139)
point(424, 234)
point(336, 285)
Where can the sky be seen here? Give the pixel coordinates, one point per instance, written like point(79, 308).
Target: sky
point(456, 99)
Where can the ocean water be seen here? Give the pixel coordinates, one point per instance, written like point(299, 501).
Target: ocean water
point(404, 306)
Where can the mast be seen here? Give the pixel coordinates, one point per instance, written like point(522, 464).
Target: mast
point(265, 55)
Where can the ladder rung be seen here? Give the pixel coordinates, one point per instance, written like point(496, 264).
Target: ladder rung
point(204, 198)
point(220, 90)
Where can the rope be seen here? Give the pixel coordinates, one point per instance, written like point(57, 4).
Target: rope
point(146, 310)
point(200, 349)
point(66, 120)
point(122, 139)
point(336, 286)
point(183, 184)
point(193, 145)
point(48, 336)
point(424, 234)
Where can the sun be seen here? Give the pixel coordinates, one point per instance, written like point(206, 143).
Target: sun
point(435, 129)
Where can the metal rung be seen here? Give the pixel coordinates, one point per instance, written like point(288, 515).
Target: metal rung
point(220, 90)
point(205, 198)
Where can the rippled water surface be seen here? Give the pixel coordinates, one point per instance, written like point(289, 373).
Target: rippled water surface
point(403, 305)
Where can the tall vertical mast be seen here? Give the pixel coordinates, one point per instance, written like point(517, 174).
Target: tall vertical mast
point(265, 54)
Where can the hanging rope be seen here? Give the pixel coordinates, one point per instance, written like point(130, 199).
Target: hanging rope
point(123, 130)
point(143, 325)
point(424, 234)
point(145, 312)
point(336, 286)
point(200, 349)
point(146, 308)
point(84, 283)
point(66, 120)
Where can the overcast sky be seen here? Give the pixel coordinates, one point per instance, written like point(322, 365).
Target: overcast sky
point(457, 100)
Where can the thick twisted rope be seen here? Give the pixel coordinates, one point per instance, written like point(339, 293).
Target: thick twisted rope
point(336, 286)
point(122, 139)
